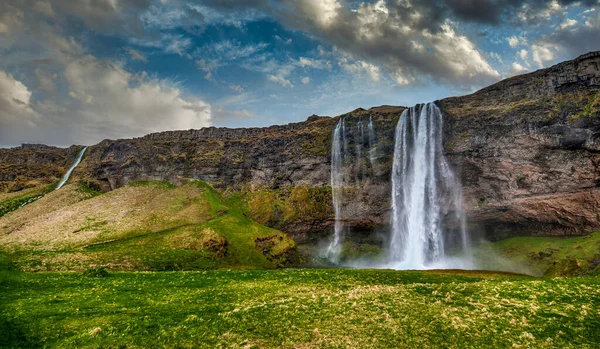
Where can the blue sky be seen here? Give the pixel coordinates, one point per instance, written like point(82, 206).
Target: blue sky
point(79, 72)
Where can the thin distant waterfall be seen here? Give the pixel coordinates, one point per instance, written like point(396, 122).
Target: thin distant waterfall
point(337, 182)
point(372, 140)
point(70, 171)
point(424, 189)
point(359, 141)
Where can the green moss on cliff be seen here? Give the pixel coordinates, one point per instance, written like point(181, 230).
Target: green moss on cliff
point(278, 208)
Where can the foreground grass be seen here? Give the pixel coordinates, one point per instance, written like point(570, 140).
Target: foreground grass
point(334, 308)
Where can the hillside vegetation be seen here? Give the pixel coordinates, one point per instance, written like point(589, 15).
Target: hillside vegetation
point(548, 256)
point(142, 226)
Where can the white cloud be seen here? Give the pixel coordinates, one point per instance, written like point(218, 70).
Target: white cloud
point(460, 55)
point(516, 69)
point(237, 88)
point(314, 63)
point(306, 80)
point(568, 23)
point(523, 54)
point(324, 12)
point(15, 101)
point(497, 57)
point(515, 41)
point(287, 41)
point(130, 105)
point(137, 55)
point(359, 67)
point(278, 79)
point(543, 52)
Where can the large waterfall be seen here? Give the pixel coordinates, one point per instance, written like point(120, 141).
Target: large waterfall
point(424, 190)
point(337, 183)
point(68, 174)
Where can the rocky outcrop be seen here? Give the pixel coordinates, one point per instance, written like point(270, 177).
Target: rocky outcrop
point(528, 151)
point(31, 165)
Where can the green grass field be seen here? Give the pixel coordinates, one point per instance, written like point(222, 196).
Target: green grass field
point(300, 308)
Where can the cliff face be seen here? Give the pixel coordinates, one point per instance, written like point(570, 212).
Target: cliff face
point(527, 150)
point(31, 165)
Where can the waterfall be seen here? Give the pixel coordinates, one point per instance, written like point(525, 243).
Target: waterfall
point(68, 174)
point(424, 190)
point(372, 147)
point(338, 147)
point(359, 140)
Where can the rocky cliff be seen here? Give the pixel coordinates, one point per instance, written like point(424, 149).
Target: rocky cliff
point(32, 165)
point(526, 149)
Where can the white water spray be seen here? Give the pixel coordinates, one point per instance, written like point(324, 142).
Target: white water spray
point(70, 171)
point(424, 190)
point(372, 140)
point(337, 183)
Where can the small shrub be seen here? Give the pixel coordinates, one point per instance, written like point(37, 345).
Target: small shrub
point(96, 272)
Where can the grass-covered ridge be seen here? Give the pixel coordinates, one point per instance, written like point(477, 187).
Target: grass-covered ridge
point(549, 256)
point(299, 308)
point(143, 226)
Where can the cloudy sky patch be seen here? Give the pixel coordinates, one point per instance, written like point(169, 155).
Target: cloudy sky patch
point(115, 68)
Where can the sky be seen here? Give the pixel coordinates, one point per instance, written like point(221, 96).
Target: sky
point(78, 72)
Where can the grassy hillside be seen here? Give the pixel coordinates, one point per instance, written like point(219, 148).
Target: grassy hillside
point(331, 308)
point(143, 226)
point(549, 256)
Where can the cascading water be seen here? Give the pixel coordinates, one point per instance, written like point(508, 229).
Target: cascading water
point(337, 182)
point(372, 140)
point(424, 190)
point(70, 171)
point(359, 139)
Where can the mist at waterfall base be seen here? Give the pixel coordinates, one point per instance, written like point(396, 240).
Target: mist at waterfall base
point(424, 192)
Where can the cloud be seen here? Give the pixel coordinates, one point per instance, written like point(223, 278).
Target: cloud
point(567, 43)
point(306, 80)
point(15, 102)
point(314, 63)
point(523, 54)
point(516, 69)
point(137, 56)
point(11, 17)
point(225, 115)
point(394, 37)
point(208, 67)
point(278, 79)
point(44, 8)
point(130, 105)
point(515, 41)
point(360, 67)
point(46, 81)
point(169, 43)
point(568, 23)
point(543, 52)
point(237, 88)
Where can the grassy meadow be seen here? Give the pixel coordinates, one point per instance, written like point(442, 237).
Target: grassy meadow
point(158, 265)
point(299, 308)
